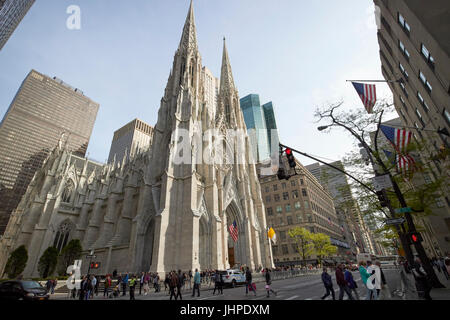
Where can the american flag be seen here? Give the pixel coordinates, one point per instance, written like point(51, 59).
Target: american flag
point(233, 231)
point(399, 138)
point(403, 162)
point(367, 93)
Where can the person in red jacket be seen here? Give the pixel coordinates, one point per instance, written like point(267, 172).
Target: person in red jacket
point(343, 287)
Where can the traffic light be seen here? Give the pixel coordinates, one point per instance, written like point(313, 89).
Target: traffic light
point(290, 158)
point(282, 174)
point(415, 237)
point(384, 202)
point(95, 265)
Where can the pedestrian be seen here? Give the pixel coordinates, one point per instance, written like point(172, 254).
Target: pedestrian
point(343, 287)
point(94, 285)
point(443, 267)
point(156, 282)
point(197, 281)
point(328, 284)
point(366, 279)
point(107, 285)
point(119, 282)
point(384, 291)
point(173, 283)
point(88, 287)
point(166, 283)
point(190, 279)
point(179, 284)
point(216, 282)
point(82, 286)
point(132, 287)
point(54, 283)
point(423, 285)
point(141, 282)
point(248, 282)
point(269, 283)
point(49, 285)
point(348, 276)
point(124, 284)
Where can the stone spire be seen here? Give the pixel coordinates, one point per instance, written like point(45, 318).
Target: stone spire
point(189, 36)
point(226, 76)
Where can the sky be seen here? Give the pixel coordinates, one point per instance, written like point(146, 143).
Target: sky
point(295, 53)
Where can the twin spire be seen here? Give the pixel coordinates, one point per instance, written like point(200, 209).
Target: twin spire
point(189, 41)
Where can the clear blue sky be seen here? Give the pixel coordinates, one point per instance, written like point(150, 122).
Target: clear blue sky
point(295, 53)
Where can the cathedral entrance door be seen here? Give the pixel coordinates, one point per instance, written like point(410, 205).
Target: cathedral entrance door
point(231, 257)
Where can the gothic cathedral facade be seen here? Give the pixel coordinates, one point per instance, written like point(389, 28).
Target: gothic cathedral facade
point(153, 211)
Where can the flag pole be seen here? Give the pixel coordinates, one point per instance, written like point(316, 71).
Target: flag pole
point(399, 80)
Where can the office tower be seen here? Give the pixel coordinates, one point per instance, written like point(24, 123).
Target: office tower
point(11, 13)
point(132, 138)
point(43, 111)
point(271, 126)
point(413, 38)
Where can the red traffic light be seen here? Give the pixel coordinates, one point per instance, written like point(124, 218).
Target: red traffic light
point(414, 238)
point(288, 151)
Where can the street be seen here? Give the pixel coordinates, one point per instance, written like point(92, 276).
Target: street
point(308, 287)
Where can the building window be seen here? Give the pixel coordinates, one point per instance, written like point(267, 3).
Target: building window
point(285, 195)
point(301, 181)
point(402, 85)
point(446, 116)
point(267, 189)
point(269, 212)
point(304, 192)
point(403, 50)
point(279, 209)
point(62, 236)
point(289, 220)
point(284, 248)
point(422, 101)
point(283, 235)
point(299, 218)
point(297, 205)
point(309, 218)
point(306, 204)
point(404, 24)
point(420, 116)
point(283, 185)
point(275, 187)
point(68, 190)
point(425, 81)
point(402, 69)
point(276, 198)
point(267, 199)
point(293, 183)
point(295, 194)
point(428, 57)
point(439, 203)
point(281, 222)
point(288, 208)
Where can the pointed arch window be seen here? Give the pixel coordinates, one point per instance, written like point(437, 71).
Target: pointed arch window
point(68, 191)
point(62, 235)
point(227, 111)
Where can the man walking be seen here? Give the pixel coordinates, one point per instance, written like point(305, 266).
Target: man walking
point(248, 282)
point(179, 284)
point(350, 281)
point(328, 284)
point(107, 286)
point(216, 282)
point(132, 287)
point(268, 283)
point(343, 287)
point(196, 283)
point(173, 283)
point(124, 284)
point(141, 282)
point(422, 282)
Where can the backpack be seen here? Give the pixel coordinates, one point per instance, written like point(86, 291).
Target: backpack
point(173, 280)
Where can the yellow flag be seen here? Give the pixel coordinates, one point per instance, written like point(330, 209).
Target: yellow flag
point(272, 235)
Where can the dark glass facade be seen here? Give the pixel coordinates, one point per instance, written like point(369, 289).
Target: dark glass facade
point(41, 111)
point(11, 13)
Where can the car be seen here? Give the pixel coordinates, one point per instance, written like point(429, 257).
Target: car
point(233, 277)
point(23, 290)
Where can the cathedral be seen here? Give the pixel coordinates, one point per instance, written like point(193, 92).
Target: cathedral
point(152, 211)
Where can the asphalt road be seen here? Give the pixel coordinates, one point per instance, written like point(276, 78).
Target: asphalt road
point(308, 287)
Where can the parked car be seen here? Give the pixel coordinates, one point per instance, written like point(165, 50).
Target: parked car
point(22, 290)
point(233, 277)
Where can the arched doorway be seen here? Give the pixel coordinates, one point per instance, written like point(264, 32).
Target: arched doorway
point(204, 254)
point(236, 246)
point(148, 246)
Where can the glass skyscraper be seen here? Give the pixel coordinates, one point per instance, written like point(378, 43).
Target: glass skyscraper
point(11, 13)
point(41, 111)
point(262, 127)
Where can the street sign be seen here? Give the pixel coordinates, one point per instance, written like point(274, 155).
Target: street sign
point(382, 182)
point(91, 256)
point(395, 221)
point(403, 210)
